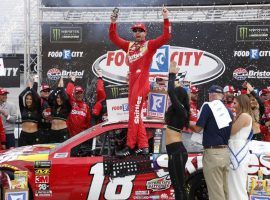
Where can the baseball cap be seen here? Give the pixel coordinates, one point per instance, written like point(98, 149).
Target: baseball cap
point(138, 26)
point(3, 91)
point(78, 89)
point(215, 89)
point(194, 89)
point(229, 88)
point(45, 87)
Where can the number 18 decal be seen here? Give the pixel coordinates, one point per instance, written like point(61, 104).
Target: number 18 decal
point(124, 183)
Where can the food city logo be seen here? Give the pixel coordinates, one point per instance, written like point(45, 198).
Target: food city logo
point(65, 54)
point(253, 54)
point(241, 74)
point(199, 66)
point(55, 74)
point(252, 33)
point(7, 71)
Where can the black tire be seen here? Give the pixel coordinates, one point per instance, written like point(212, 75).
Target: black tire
point(196, 187)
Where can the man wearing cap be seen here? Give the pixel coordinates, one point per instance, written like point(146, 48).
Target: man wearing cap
point(215, 120)
point(229, 91)
point(45, 125)
point(8, 111)
point(80, 116)
point(139, 58)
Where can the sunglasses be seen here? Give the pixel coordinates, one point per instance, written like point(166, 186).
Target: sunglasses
point(45, 91)
point(138, 30)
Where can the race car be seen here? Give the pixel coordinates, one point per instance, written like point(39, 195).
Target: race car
point(85, 167)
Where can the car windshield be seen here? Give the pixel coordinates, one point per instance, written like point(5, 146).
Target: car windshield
point(58, 146)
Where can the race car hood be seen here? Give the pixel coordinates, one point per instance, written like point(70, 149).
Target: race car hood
point(27, 153)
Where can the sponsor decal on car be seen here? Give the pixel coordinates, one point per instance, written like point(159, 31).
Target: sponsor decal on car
point(42, 171)
point(159, 184)
point(196, 65)
point(61, 155)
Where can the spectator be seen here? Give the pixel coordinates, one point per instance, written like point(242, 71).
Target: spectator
point(194, 96)
point(2, 135)
point(60, 110)
point(45, 124)
point(100, 107)
point(257, 112)
point(139, 58)
point(215, 121)
point(8, 111)
point(29, 102)
point(229, 92)
point(240, 136)
point(265, 125)
point(177, 117)
point(79, 119)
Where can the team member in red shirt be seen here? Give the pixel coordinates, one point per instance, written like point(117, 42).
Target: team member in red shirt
point(2, 135)
point(228, 92)
point(265, 127)
point(79, 117)
point(139, 58)
point(194, 111)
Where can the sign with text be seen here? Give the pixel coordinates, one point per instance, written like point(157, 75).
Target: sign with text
point(9, 72)
point(66, 34)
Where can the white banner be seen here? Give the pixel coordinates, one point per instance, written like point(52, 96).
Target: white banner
point(2, 68)
point(117, 109)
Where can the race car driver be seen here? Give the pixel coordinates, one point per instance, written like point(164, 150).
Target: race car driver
point(139, 57)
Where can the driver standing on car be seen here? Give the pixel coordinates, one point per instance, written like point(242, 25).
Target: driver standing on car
point(216, 121)
point(139, 57)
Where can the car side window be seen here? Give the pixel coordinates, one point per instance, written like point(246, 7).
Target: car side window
point(114, 140)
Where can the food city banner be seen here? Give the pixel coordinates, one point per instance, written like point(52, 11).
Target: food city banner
point(9, 72)
point(206, 53)
point(110, 3)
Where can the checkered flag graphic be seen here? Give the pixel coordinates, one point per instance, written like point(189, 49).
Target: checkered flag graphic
point(181, 76)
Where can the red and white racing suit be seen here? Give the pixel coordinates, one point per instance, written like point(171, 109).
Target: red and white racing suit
point(101, 98)
point(229, 105)
point(79, 117)
point(266, 117)
point(193, 117)
point(2, 134)
point(139, 58)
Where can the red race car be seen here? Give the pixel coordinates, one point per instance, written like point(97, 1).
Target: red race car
point(85, 167)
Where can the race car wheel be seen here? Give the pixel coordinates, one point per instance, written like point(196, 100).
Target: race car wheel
point(196, 187)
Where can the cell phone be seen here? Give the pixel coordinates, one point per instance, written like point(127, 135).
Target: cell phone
point(115, 12)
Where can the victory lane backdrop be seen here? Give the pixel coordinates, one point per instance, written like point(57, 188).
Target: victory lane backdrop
point(9, 72)
point(242, 48)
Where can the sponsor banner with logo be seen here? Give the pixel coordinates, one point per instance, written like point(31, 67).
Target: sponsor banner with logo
point(9, 72)
point(66, 34)
point(206, 54)
point(157, 102)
